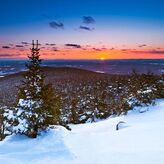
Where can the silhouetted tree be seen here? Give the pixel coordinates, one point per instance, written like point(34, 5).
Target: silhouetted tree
point(38, 107)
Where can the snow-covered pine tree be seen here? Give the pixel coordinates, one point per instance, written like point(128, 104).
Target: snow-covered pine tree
point(142, 88)
point(2, 124)
point(37, 107)
point(6, 121)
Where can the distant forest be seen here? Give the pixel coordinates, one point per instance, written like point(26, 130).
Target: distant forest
point(86, 96)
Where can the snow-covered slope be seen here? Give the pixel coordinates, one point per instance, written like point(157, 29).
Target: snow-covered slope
point(139, 141)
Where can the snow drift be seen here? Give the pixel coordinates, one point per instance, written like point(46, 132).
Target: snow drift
point(138, 141)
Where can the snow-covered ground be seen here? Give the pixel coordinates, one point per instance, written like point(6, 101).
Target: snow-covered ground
point(139, 141)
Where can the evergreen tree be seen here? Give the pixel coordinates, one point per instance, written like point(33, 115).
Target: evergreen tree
point(37, 107)
point(2, 124)
point(6, 122)
point(74, 112)
point(142, 89)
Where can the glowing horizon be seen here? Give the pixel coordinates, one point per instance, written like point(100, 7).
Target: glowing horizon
point(83, 52)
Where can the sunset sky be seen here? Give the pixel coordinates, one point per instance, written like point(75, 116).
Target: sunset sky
point(83, 29)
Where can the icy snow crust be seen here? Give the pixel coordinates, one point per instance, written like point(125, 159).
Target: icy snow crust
point(139, 141)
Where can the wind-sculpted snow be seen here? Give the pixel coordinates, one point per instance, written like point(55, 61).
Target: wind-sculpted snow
point(139, 142)
point(20, 149)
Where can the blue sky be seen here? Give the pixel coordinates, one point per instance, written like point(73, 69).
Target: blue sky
point(115, 22)
point(20, 16)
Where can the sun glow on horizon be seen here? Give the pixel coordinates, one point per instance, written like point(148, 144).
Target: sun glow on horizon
point(47, 52)
point(102, 58)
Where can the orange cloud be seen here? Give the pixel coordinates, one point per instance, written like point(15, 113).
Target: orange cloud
point(83, 53)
